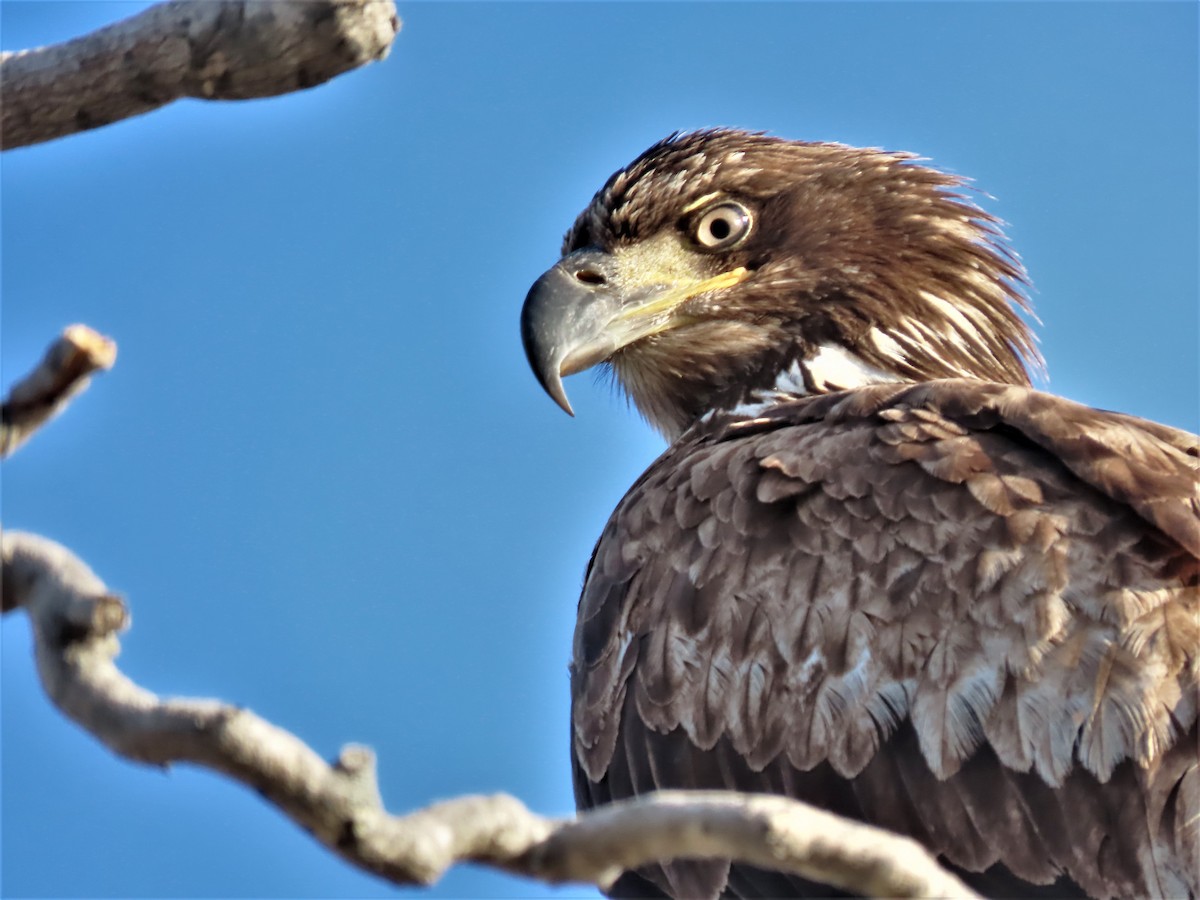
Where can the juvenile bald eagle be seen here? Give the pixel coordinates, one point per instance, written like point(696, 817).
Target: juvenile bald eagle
point(875, 570)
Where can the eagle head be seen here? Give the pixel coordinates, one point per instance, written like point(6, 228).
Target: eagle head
point(723, 268)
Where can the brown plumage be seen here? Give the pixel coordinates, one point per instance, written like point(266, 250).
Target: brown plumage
point(874, 570)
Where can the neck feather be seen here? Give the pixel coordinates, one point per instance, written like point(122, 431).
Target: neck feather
point(672, 397)
point(831, 368)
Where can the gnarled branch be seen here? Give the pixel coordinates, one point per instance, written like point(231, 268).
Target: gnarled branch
point(75, 622)
point(208, 49)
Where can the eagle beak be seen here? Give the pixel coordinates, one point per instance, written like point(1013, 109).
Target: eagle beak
point(591, 304)
point(566, 318)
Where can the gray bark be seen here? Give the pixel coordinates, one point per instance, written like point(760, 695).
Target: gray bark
point(208, 49)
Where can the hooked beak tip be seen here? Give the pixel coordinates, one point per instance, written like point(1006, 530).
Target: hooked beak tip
point(559, 395)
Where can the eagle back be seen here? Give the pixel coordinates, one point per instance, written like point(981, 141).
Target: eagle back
point(977, 570)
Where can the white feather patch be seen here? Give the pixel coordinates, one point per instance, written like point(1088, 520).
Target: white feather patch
point(835, 368)
point(831, 368)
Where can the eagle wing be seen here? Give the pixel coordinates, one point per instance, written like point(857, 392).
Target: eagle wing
point(963, 611)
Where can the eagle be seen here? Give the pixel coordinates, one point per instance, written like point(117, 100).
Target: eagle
point(874, 570)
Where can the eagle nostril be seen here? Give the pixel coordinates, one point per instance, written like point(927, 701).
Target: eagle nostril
point(589, 276)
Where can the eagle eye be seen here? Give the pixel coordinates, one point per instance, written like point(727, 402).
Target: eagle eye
point(722, 226)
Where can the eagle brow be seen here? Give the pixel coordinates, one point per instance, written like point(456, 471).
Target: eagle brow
point(696, 204)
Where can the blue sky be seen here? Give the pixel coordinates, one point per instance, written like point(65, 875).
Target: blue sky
point(321, 472)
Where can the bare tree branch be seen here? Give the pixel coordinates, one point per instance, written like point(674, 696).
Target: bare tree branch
point(208, 49)
point(64, 372)
point(75, 621)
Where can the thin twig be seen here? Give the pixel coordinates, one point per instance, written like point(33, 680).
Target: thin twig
point(64, 372)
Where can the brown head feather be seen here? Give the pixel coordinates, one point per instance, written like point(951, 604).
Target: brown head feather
point(862, 249)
